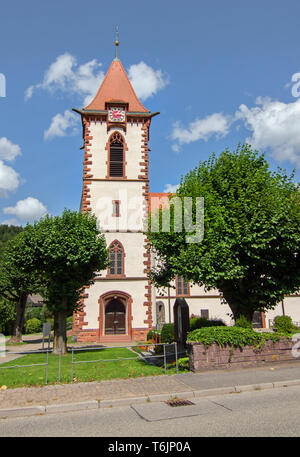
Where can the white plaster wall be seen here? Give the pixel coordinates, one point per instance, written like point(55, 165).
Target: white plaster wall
point(133, 138)
point(194, 290)
point(132, 204)
point(134, 288)
point(133, 244)
point(291, 308)
point(217, 310)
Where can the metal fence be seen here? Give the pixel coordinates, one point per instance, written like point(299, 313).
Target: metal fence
point(149, 356)
point(46, 364)
point(166, 354)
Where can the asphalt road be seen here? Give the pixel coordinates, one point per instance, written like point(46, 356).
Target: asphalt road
point(267, 413)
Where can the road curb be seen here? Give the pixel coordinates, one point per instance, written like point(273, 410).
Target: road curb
point(99, 404)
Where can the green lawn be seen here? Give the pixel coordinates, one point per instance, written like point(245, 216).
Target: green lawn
point(83, 372)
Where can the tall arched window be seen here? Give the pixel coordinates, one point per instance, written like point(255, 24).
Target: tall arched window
point(116, 156)
point(116, 257)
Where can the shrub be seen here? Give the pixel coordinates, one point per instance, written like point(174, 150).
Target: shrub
point(243, 322)
point(33, 312)
point(284, 324)
point(197, 322)
point(33, 325)
point(167, 333)
point(200, 322)
point(7, 316)
point(231, 336)
point(184, 363)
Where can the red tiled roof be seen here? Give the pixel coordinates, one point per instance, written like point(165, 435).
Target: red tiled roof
point(160, 199)
point(116, 87)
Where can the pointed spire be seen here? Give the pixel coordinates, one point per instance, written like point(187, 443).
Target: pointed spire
point(116, 87)
point(117, 42)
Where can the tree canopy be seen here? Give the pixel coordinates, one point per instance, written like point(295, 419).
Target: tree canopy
point(250, 249)
point(7, 232)
point(17, 280)
point(66, 251)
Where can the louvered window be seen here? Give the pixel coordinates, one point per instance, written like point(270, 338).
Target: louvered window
point(116, 156)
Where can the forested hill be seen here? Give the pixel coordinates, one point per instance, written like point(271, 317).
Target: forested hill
point(7, 232)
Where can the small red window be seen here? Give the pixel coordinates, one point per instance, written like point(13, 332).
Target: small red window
point(116, 208)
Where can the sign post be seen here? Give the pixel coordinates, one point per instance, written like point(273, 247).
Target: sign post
point(46, 332)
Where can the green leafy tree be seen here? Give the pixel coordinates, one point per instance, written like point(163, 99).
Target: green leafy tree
point(250, 250)
point(7, 232)
point(7, 316)
point(7, 307)
point(68, 250)
point(17, 279)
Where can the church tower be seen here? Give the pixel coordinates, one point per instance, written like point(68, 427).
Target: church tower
point(118, 306)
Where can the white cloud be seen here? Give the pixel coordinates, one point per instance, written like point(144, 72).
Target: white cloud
point(65, 75)
point(145, 80)
point(62, 125)
point(176, 147)
point(9, 179)
point(274, 126)
point(172, 188)
point(12, 221)
point(8, 150)
point(27, 210)
point(201, 129)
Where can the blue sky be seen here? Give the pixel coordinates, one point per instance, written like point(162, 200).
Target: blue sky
point(218, 72)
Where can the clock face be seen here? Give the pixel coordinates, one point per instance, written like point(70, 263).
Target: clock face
point(116, 114)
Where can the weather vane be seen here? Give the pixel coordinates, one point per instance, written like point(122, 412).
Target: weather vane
point(117, 40)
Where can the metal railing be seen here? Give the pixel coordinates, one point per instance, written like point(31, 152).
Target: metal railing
point(169, 352)
point(165, 355)
point(46, 364)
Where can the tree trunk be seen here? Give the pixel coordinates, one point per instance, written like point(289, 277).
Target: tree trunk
point(60, 333)
point(19, 322)
point(238, 305)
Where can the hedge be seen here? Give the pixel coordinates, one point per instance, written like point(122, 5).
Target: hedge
point(231, 336)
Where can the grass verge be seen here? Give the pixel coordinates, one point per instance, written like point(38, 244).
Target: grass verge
point(96, 370)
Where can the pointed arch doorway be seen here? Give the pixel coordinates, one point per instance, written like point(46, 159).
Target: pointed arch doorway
point(115, 316)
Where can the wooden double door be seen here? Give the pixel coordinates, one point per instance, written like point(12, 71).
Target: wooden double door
point(115, 317)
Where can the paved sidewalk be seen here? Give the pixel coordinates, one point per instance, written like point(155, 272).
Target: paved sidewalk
point(153, 388)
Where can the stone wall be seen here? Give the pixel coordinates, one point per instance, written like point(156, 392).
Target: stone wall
point(224, 357)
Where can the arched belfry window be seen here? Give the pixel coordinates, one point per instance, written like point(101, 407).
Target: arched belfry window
point(116, 257)
point(116, 156)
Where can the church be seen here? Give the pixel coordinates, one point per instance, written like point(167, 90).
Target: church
point(122, 305)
